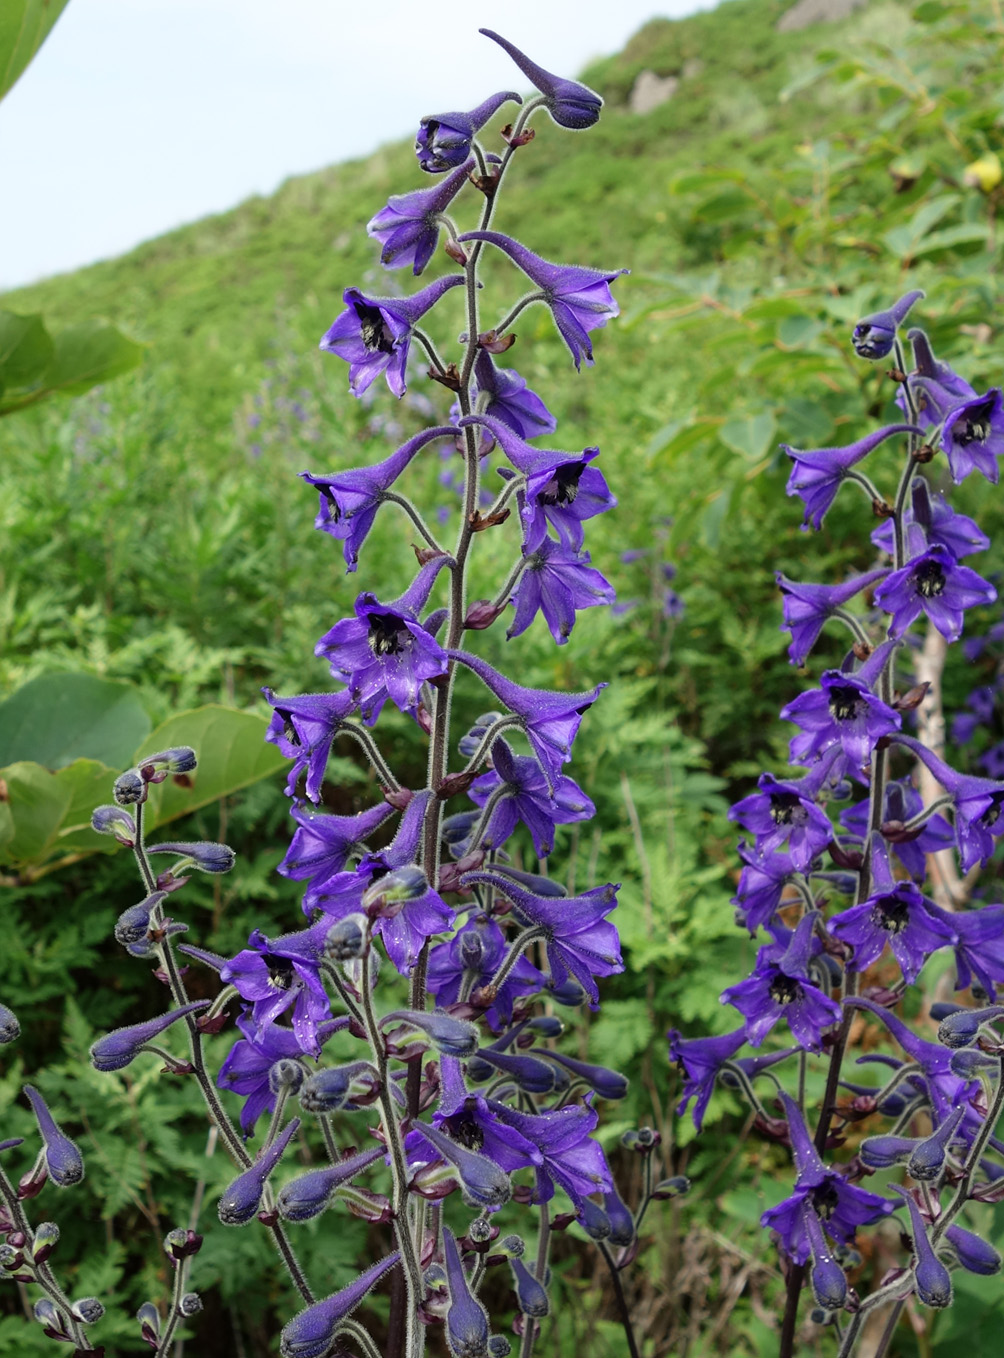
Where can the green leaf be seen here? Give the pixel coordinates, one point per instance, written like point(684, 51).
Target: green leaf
point(24, 26)
point(81, 357)
point(751, 437)
point(966, 233)
point(58, 718)
point(46, 807)
point(25, 349)
point(232, 754)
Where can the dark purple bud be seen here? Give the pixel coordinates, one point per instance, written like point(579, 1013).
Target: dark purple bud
point(286, 1073)
point(240, 1202)
point(481, 1231)
point(932, 1279)
point(829, 1283)
point(46, 1240)
point(63, 1160)
point(928, 1160)
point(593, 1220)
point(133, 924)
point(547, 1025)
point(483, 1182)
point(973, 1253)
point(676, 1187)
point(450, 1036)
point(128, 789)
point(204, 856)
point(348, 938)
point(331, 1089)
point(608, 1084)
point(311, 1334)
point(942, 1008)
point(308, 1196)
point(466, 1320)
point(499, 1346)
point(11, 1259)
point(882, 1152)
point(190, 1304)
point(48, 1314)
point(149, 1319)
point(969, 1063)
point(114, 820)
point(87, 1310)
point(178, 759)
point(530, 1295)
point(960, 1028)
point(389, 894)
point(528, 1073)
point(621, 1220)
point(10, 1028)
point(182, 1243)
point(121, 1046)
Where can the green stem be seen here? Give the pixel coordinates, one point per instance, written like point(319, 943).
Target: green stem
point(392, 497)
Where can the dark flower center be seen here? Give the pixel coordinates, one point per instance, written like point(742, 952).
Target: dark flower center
point(563, 486)
point(333, 509)
point(375, 334)
point(846, 703)
point(388, 636)
point(784, 990)
point(929, 579)
point(288, 729)
point(280, 971)
point(891, 914)
point(784, 807)
point(826, 1200)
point(467, 1133)
point(977, 426)
point(992, 813)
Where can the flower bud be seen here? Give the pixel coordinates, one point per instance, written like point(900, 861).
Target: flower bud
point(467, 1319)
point(286, 1073)
point(241, 1200)
point(882, 1152)
point(63, 1160)
point(961, 1028)
point(133, 924)
point(118, 1048)
point(827, 1278)
point(973, 1253)
point(149, 1319)
point(608, 1084)
point(530, 1295)
point(46, 1239)
point(676, 1187)
point(10, 1028)
point(547, 1025)
point(331, 1089)
point(530, 1074)
point(593, 1220)
point(190, 1304)
point(499, 1346)
point(11, 1259)
point(932, 1280)
point(308, 1195)
point(388, 894)
point(87, 1310)
point(569, 993)
point(48, 1314)
point(928, 1159)
point(620, 1218)
point(178, 759)
point(128, 789)
point(347, 938)
point(873, 335)
point(200, 854)
point(969, 1063)
point(468, 743)
point(113, 820)
point(181, 1243)
point(483, 1182)
point(311, 1333)
point(450, 1036)
point(481, 1230)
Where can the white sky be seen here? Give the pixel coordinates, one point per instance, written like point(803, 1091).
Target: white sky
point(139, 115)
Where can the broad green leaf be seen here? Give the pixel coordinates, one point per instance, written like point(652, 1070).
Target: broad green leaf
point(58, 718)
point(82, 356)
point(24, 26)
point(686, 438)
point(714, 517)
point(25, 349)
point(966, 233)
point(751, 437)
point(41, 803)
point(232, 754)
point(795, 331)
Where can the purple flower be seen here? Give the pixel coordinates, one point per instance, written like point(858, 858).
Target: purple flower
point(311, 1333)
point(934, 387)
point(783, 990)
point(807, 607)
point(978, 939)
point(761, 885)
point(473, 956)
point(843, 714)
point(580, 299)
point(322, 844)
point(561, 488)
point(700, 1059)
point(303, 727)
point(930, 518)
point(519, 791)
point(787, 811)
point(506, 397)
point(63, 1161)
point(840, 1206)
point(895, 913)
point(873, 335)
point(349, 500)
point(579, 940)
point(408, 227)
point(557, 582)
point(249, 1061)
point(414, 915)
point(816, 476)
point(973, 436)
point(902, 803)
point(562, 1150)
point(977, 804)
point(549, 720)
point(570, 104)
point(241, 1200)
point(384, 651)
point(444, 140)
point(118, 1048)
point(933, 583)
point(466, 1320)
point(945, 1090)
point(932, 1280)
point(373, 333)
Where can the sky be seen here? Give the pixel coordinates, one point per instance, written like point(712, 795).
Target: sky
point(139, 115)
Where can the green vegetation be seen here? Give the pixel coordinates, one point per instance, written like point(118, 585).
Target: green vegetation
point(153, 533)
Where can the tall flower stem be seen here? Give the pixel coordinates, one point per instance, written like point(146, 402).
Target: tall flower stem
point(622, 1305)
point(43, 1273)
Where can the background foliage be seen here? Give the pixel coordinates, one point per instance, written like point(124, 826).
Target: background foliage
point(153, 536)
